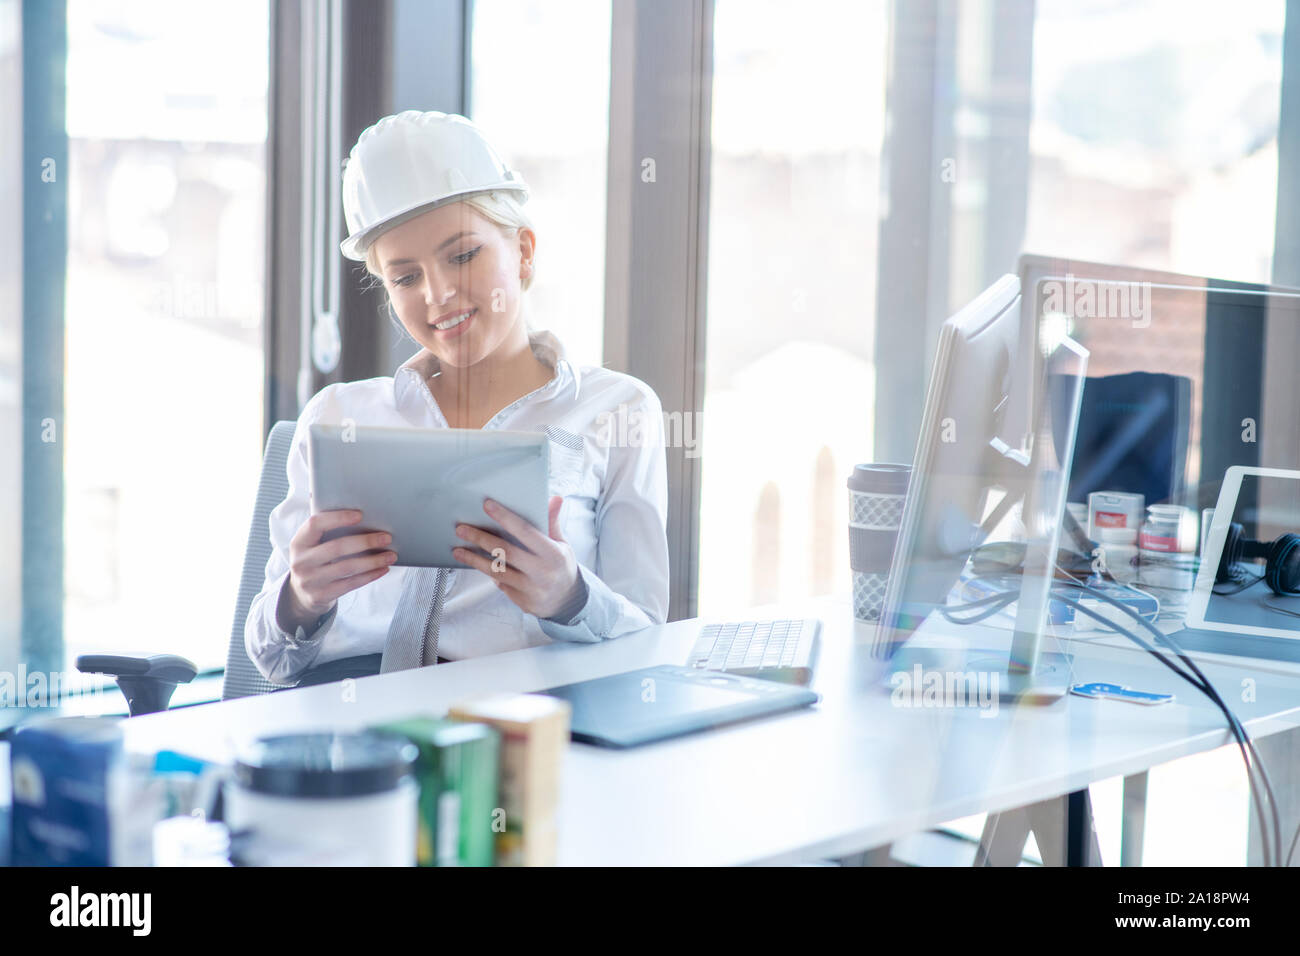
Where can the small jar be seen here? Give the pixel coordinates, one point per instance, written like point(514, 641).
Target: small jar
point(1160, 532)
point(1166, 558)
point(1119, 552)
point(347, 798)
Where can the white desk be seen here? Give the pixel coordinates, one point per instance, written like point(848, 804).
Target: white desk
point(853, 773)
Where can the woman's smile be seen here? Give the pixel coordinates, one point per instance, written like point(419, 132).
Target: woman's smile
point(455, 325)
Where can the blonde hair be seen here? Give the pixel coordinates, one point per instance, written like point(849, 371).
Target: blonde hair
point(499, 207)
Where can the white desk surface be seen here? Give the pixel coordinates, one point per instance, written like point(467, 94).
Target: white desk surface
point(851, 773)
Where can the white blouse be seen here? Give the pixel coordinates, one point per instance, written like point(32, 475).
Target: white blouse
point(613, 479)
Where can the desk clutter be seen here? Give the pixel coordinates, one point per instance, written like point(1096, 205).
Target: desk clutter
point(1154, 546)
point(478, 787)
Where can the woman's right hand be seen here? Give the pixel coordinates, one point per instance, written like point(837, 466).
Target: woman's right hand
point(321, 572)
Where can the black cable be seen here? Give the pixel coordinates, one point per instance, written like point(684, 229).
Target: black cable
point(1244, 741)
point(1233, 725)
point(1281, 610)
point(1259, 763)
point(1243, 738)
point(993, 603)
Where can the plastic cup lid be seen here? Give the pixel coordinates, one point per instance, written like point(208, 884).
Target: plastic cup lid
point(881, 478)
point(325, 764)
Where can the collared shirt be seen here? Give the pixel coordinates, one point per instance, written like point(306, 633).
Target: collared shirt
point(614, 516)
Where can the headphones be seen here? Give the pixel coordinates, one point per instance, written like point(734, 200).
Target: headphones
point(1281, 560)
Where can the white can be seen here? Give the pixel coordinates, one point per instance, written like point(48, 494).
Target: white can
point(1113, 509)
point(1166, 562)
point(1119, 552)
point(327, 799)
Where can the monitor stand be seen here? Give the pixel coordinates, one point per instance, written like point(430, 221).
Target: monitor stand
point(952, 675)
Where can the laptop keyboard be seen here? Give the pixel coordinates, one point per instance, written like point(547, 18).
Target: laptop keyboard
point(747, 644)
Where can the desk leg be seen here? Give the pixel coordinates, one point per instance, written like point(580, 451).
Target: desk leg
point(1003, 841)
point(1062, 828)
point(1280, 755)
point(1134, 822)
point(880, 856)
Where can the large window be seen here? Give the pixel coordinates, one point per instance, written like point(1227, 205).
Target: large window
point(167, 128)
point(539, 89)
point(1154, 134)
point(798, 108)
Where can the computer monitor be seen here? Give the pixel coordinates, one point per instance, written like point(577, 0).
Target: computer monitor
point(968, 478)
point(1225, 349)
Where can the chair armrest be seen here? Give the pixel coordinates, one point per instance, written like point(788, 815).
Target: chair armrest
point(146, 681)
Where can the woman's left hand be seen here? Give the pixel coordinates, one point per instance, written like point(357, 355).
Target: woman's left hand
point(541, 576)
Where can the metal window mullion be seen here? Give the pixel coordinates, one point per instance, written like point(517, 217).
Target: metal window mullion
point(657, 233)
point(912, 263)
point(44, 274)
point(309, 87)
point(328, 163)
point(322, 118)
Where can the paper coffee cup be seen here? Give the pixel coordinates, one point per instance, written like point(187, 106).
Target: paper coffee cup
point(876, 496)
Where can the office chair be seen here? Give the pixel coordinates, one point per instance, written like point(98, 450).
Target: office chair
point(148, 682)
point(1132, 435)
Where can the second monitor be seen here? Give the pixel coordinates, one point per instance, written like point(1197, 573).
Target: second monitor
point(969, 477)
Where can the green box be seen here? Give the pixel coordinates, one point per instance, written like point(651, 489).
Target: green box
point(457, 772)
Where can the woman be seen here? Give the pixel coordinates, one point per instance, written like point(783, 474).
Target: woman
point(436, 217)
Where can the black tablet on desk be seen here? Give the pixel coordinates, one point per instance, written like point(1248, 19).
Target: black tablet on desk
point(656, 703)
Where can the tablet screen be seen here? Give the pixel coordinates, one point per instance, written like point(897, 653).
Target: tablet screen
point(1267, 506)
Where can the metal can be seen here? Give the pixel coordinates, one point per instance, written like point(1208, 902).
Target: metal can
point(457, 772)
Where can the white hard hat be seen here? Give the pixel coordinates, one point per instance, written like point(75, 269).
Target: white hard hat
point(410, 163)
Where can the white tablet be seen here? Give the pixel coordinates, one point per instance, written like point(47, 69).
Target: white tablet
point(417, 484)
point(1272, 497)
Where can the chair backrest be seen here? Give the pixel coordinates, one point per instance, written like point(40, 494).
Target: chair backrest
point(243, 679)
point(1132, 435)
